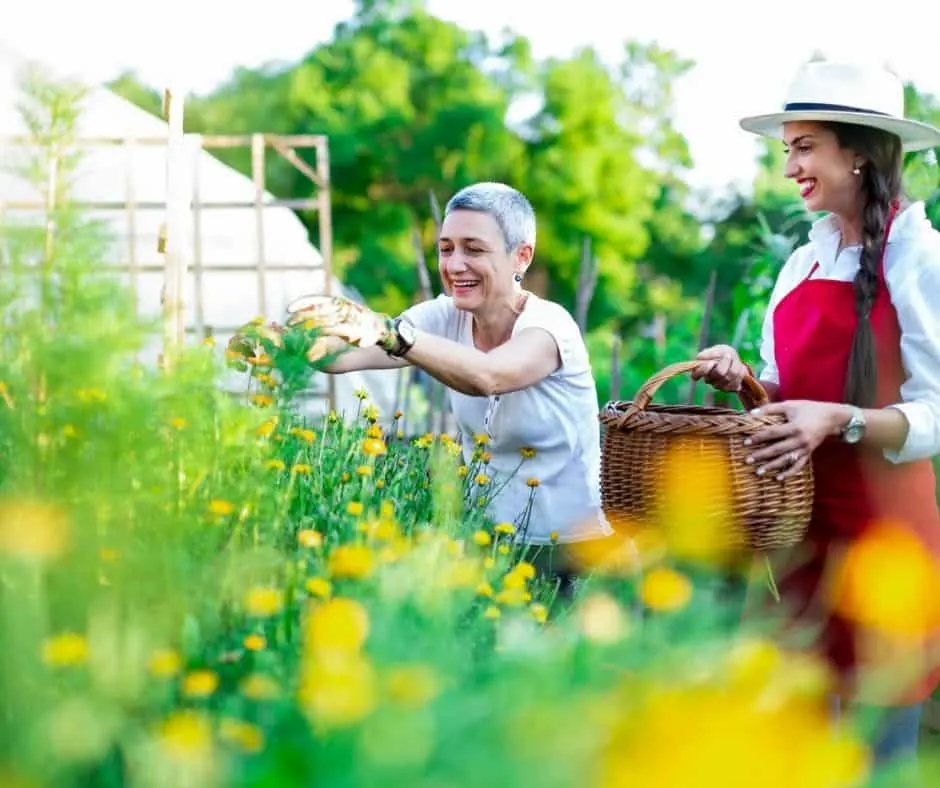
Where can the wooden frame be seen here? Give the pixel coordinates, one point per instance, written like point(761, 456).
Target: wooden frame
point(285, 146)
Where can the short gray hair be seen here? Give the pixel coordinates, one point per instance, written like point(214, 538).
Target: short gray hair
point(509, 208)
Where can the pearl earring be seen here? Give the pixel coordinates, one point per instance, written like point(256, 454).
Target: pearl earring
point(517, 276)
point(856, 171)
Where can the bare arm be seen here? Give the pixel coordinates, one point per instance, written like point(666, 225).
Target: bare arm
point(356, 359)
point(521, 362)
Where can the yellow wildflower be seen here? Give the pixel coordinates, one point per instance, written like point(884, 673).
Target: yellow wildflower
point(527, 452)
point(200, 683)
point(245, 736)
point(665, 590)
point(275, 465)
point(533, 482)
point(309, 538)
point(481, 439)
point(355, 508)
point(221, 507)
point(318, 586)
point(482, 538)
point(505, 528)
point(257, 686)
point(302, 469)
point(255, 642)
point(412, 686)
point(65, 650)
point(186, 735)
point(539, 612)
point(492, 612)
point(337, 625)
point(262, 400)
point(32, 530)
point(351, 561)
point(482, 479)
point(165, 663)
point(263, 601)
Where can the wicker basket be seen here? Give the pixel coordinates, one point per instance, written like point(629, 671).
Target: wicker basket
point(766, 513)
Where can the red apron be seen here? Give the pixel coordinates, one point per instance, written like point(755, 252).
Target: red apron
point(855, 485)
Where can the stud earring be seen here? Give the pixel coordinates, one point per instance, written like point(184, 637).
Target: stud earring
point(857, 171)
point(517, 276)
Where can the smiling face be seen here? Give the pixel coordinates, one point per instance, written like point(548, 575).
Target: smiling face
point(822, 168)
point(475, 265)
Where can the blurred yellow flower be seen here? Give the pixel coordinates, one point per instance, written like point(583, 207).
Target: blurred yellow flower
point(337, 625)
point(262, 400)
point(351, 561)
point(302, 469)
point(220, 507)
point(601, 619)
point(482, 538)
point(481, 439)
point(665, 590)
point(539, 612)
point(337, 693)
point(257, 686)
point(412, 686)
point(267, 429)
point(243, 735)
point(694, 509)
point(308, 436)
point(492, 612)
point(887, 580)
point(309, 538)
point(264, 601)
point(532, 482)
point(200, 683)
point(186, 735)
point(318, 586)
point(504, 528)
point(165, 663)
point(65, 650)
point(355, 508)
point(527, 453)
point(32, 530)
point(374, 447)
point(255, 642)
point(275, 465)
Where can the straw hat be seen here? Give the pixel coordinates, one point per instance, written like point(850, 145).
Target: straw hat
point(863, 95)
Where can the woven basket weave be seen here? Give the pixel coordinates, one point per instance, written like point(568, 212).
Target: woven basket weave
point(766, 513)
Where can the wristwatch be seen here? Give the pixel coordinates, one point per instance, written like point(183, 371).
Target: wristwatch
point(854, 431)
point(400, 338)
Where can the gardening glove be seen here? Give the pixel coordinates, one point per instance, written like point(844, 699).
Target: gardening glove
point(340, 317)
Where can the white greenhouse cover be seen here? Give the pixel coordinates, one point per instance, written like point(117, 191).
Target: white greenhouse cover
point(228, 235)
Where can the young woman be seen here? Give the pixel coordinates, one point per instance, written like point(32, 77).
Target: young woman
point(517, 370)
point(851, 352)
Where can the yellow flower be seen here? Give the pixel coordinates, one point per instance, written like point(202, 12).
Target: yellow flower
point(308, 436)
point(665, 590)
point(262, 400)
point(337, 693)
point(266, 429)
point(601, 619)
point(200, 683)
point(553, 536)
point(318, 586)
point(492, 612)
point(482, 538)
point(275, 465)
point(481, 439)
point(257, 686)
point(337, 625)
point(351, 561)
point(364, 470)
point(485, 589)
point(255, 642)
point(539, 612)
point(374, 447)
point(412, 686)
point(361, 394)
point(165, 663)
point(32, 530)
point(370, 413)
point(264, 601)
point(533, 482)
point(505, 528)
point(302, 469)
point(309, 538)
point(355, 508)
point(65, 650)
point(221, 508)
point(482, 479)
point(527, 452)
point(186, 735)
point(245, 736)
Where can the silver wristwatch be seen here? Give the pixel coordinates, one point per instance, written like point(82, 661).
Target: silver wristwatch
point(854, 430)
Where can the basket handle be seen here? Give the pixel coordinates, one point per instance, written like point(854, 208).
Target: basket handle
point(648, 389)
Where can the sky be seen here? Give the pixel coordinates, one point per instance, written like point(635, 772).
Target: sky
point(742, 67)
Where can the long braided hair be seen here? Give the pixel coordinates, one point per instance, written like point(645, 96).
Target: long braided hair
point(880, 186)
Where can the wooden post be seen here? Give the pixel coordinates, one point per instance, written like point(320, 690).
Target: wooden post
point(173, 234)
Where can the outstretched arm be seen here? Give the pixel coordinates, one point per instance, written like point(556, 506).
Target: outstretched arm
point(521, 362)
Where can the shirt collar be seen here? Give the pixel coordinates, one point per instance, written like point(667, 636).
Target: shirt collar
point(909, 220)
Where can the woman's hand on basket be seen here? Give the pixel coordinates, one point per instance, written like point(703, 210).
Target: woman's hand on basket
point(721, 367)
point(786, 448)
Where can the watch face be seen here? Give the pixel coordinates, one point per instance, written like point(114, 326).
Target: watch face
point(853, 433)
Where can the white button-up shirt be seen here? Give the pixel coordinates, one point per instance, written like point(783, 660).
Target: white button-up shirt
point(912, 274)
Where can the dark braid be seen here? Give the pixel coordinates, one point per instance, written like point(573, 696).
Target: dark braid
point(881, 185)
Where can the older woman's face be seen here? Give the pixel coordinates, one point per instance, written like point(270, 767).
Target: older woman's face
point(821, 169)
point(475, 267)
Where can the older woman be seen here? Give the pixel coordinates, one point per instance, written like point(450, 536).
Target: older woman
point(516, 366)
